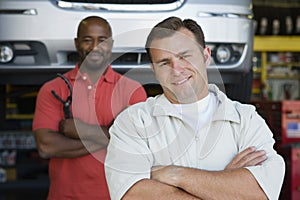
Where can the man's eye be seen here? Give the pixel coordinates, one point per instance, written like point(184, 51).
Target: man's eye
point(100, 41)
point(104, 42)
point(164, 64)
point(184, 56)
point(87, 40)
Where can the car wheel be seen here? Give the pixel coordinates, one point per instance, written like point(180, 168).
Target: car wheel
point(241, 90)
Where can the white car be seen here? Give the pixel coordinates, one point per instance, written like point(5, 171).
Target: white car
point(37, 37)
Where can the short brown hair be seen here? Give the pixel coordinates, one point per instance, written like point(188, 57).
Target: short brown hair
point(169, 26)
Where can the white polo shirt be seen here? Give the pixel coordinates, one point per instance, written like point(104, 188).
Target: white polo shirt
point(155, 133)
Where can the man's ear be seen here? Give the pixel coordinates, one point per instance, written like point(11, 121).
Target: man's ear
point(152, 67)
point(207, 55)
point(112, 43)
point(76, 43)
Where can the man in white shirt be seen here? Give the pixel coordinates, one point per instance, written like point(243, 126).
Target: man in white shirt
point(191, 142)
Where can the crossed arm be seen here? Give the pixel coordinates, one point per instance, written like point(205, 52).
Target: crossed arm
point(74, 138)
point(175, 182)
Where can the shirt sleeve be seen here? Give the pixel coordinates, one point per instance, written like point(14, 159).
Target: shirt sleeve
point(270, 173)
point(128, 158)
point(48, 110)
point(139, 95)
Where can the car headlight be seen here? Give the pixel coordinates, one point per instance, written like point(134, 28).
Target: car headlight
point(6, 53)
point(223, 53)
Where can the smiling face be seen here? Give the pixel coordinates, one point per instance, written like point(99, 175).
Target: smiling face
point(94, 44)
point(179, 64)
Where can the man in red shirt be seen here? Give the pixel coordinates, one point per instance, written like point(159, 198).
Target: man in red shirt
point(76, 146)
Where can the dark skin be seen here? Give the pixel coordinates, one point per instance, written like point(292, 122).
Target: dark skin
point(94, 45)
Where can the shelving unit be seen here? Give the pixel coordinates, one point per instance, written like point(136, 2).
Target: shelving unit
point(19, 158)
point(276, 60)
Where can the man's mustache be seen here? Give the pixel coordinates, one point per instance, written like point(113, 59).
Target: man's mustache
point(94, 53)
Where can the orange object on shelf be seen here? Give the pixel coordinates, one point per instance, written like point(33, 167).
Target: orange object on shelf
point(290, 121)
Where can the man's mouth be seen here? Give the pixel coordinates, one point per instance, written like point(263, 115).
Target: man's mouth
point(94, 55)
point(182, 81)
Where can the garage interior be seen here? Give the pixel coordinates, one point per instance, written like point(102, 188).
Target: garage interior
point(275, 93)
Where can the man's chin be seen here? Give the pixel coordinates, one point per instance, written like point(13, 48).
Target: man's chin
point(96, 66)
point(95, 59)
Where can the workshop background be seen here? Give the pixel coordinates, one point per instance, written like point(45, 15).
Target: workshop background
point(275, 93)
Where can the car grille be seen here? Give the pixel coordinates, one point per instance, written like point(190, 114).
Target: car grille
point(121, 5)
point(124, 1)
point(129, 58)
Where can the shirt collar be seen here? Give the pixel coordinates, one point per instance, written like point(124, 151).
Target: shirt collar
point(72, 74)
point(109, 75)
point(164, 107)
point(226, 109)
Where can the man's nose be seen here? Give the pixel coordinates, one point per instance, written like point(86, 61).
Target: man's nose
point(96, 44)
point(177, 66)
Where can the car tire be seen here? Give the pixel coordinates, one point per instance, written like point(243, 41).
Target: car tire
point(241, 90)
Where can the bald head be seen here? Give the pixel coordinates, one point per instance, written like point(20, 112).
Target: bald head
point(94, 36)
point(91, 20)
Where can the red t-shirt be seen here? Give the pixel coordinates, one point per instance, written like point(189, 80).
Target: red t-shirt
point(98, 104)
